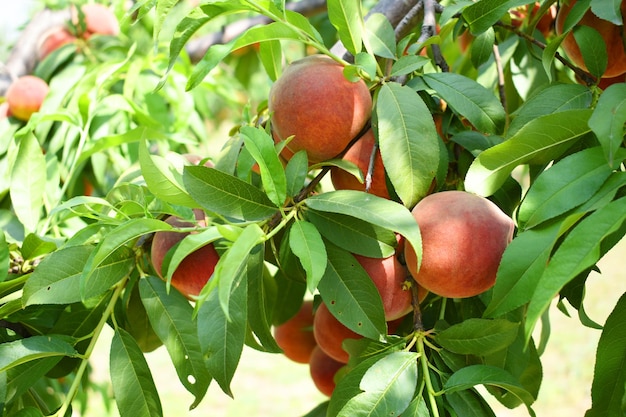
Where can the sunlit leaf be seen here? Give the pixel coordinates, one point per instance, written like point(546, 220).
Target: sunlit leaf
point(34, 347)
point(347, 18)
point(608, 118)
point(307, 244)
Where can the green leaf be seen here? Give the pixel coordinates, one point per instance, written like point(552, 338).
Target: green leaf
point(565, 185)
point(230, 269)
point(4, 258)
point(609, 379)
point(539, 141)
point(469, 99)
point(133, 386)
point(608, 118)
point(468, 403)
point(226, 195)
point(408, 141)
point(473, 375)
point(592, 49)
point(197, 18)
point(261, 147)
point(552, 99)
point(271, 55)
point(29, 412)
point(296, 172)
point(347, 18)
point(170, 315)
point(521, 267)
point(608, 10)
point(369, 208)
point(579, 251)
point(28, 182)
point(479, 337)
point(307, 244)
point(34, 247)
point(57, 279)
point(483, 14)
point(22, 378)
point(348, 386)
point(319, 411)
point(351, 296)
point(379, 36)
point(162, 178)
point(354, 235)
point(388, 387)
point(262, 290)
point(222, 339)
point(31, 348)
point(481, 48)
point(407, 64)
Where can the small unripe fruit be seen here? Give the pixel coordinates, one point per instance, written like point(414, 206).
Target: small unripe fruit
point(463, 239)
point(295, 336)
point(195, 269)
point(25, 96)
point(316, 103)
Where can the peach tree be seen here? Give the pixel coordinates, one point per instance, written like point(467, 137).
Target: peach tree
point(175, 117)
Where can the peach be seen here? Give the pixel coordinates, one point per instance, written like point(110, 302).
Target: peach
point(99, 19)
point(330, 333)
point(360, 154)
point(295, 336)
point(388, 274)
point(53, 40)
point(26, 95)
point(613, 36)
point(195, 270)
point(463, 239)
point(313, 101)
point(323, 369)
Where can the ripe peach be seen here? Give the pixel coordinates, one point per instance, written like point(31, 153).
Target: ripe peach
point(359, 154)
point(53, 40)
point(295, 336)
point(99, 19)
point(463, 239)
point(613, 36)
point(388, 275)
point(195, 270)
point(330, 333)
point(25, 96)
point(323, 369)
point(316, 103)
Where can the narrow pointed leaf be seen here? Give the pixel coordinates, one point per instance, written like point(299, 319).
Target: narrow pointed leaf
point(379, 36)
point(580, 250)
point(226, 195)
point(539, 141)
point(367, 207)
point(388, 387)
point(28, 181)
point(351, 296)
point(408, 140)
point(222, 339)
point(609, 379)
point(470, 100)
point(133, 386)
point(261, 147)
point(307, 244)
point(25, 350)
point(478, 336)
point(347, 18)
point(608, 118)
point(565, 185)
point(170, 315)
